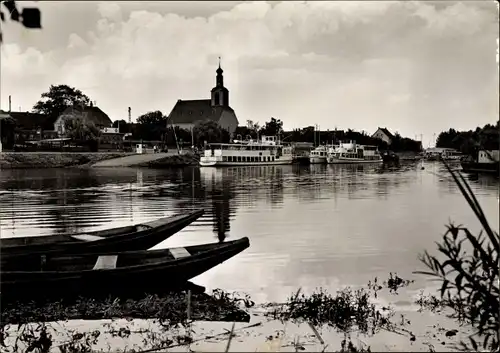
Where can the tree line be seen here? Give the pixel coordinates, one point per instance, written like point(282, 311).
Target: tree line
point(469, 142)
point(154, 126)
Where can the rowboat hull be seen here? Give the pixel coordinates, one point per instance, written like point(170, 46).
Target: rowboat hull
point(117, 273)
point(333, 160)
point(475, 167)
point(137, 237)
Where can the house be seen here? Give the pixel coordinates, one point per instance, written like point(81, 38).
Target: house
point(111, 138)
point(32, 126)
point(383, 134)
point(87, 113)
point(186, 113)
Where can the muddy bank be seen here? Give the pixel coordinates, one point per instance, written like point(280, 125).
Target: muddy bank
point(26, 160)
point(178, 160)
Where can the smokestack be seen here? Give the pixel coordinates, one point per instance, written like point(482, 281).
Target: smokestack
point(129, 115)
point(10, 103)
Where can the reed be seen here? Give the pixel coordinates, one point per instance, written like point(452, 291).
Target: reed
point(469, 280)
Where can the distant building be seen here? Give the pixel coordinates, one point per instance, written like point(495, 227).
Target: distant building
point(32, 126)
point(37, 127)
point(383, 134)
point(87, 113)
point(186, 113)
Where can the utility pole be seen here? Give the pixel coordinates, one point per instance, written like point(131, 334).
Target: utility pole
point(10, 103)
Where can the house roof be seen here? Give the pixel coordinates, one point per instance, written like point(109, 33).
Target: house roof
point(386, 132)
point(32, 121)
point(96, 115)
point(192, 111)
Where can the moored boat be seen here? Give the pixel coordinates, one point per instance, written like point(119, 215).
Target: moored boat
point(318, 155)
point(485, 162)
point(135, 237)
point(267, 151)
point(351, 152)
point(119, 273)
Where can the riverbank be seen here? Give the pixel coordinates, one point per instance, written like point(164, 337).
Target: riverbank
point(177, 160)
point(408, 156)
point(36, 160)
point(28, 160)
point(351, 320)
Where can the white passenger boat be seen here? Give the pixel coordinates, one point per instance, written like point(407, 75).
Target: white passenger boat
point(350, 152)
point(267, 151)
point(318, 155)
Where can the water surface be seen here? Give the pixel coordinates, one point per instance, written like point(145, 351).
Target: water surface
point(330, 226)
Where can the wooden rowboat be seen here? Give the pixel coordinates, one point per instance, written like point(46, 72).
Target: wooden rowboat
point(136, 237)
point(116, 273)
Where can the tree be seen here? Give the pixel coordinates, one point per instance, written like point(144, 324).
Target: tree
point(82, 131)
point(30, 17)
point(273, 127)
point(210, 131)
point(445, 138)
point(122, 126)
point(58, 98)
point(7, 131)
point(469, 142)
point(153, 118)
point(152, 125)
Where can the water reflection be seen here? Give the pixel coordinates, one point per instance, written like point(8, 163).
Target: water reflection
point(308, 225)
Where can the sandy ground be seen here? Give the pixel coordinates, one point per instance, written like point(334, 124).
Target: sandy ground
point(260, 335)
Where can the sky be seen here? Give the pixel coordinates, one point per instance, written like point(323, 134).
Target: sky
point(417, 68)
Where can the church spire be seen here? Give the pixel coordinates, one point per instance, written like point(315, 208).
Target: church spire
point(219, 81)
point(220, 94)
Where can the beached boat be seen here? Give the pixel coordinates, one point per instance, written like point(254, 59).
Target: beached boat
point(485, 162)
point(267, 151)
point(117, 273)
point(351, 152)
point(318, 155)
point(135, 237)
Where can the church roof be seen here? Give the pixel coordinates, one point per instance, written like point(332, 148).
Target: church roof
point(192, 111)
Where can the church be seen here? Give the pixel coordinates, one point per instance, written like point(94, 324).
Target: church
point(186, 113)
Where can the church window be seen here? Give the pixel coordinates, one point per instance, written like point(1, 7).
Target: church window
point(217, 97)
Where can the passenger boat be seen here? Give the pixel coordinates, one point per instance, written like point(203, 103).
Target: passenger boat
point(485, 162)
point(135, 237)
point(267, 151)
point(114, 273)
point(318, 155)
point(351, 152)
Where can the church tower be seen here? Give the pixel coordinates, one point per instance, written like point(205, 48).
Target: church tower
point(220, 94)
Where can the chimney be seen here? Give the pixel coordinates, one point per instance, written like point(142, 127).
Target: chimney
point(129, 115)
point(10, 103)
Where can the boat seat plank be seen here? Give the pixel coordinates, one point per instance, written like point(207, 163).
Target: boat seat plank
point(87, 237)
point(179, 253)
point(142, 227)
point(106, 262)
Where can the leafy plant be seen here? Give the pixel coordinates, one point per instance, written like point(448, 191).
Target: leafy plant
point(470, 282)
point(29, 17)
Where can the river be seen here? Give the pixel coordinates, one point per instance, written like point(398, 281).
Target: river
point(309, 226)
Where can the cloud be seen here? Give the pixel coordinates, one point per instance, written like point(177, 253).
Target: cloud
point(346, 64)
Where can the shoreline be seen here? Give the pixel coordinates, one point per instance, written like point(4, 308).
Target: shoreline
point(45, 160)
